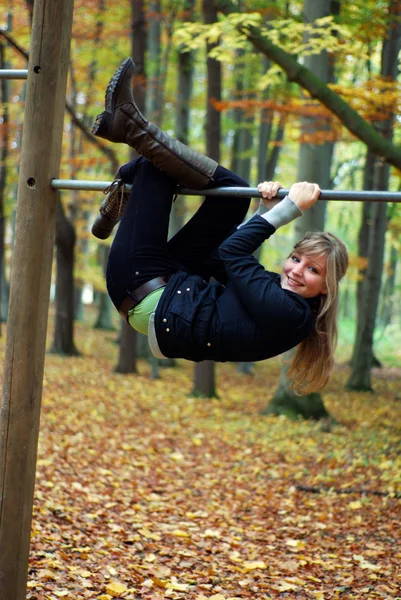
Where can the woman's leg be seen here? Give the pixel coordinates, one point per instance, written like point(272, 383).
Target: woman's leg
point(122, 121)
point(139, 250)
point(196, 244)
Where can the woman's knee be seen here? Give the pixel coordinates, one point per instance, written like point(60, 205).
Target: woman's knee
point(224, 177)
point(130, 170)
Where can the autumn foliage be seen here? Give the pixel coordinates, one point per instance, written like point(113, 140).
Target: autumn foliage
point(146, 492)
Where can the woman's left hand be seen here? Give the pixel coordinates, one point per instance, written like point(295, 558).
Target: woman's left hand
point(269, 190)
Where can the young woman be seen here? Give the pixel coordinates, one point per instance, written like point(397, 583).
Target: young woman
point(202, 295)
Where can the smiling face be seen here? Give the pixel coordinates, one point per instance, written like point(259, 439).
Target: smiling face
point(305, 274)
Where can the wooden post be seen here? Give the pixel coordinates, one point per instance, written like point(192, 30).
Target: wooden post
point(30, 286)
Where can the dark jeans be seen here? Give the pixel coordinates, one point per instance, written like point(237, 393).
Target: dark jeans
point(140, 250)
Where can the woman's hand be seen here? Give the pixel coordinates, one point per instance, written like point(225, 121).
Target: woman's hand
point(304, 194)
point(269, 189)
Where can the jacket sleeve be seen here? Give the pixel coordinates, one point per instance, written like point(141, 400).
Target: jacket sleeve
point(259, 291)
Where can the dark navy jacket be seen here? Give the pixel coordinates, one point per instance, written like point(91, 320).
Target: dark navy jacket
point(250, 319)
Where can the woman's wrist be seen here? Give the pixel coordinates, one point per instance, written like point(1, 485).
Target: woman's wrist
point(282, 213)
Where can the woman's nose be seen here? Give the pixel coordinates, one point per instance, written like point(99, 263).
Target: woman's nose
point(297, 268)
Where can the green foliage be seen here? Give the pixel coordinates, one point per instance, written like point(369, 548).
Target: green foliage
point(295, 37)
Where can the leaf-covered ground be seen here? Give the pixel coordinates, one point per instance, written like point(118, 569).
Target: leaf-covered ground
point(144, 492)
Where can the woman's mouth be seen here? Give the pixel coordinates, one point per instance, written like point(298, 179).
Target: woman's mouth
point(293, 282)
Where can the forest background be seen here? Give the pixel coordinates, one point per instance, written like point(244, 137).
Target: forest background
point(284, 90)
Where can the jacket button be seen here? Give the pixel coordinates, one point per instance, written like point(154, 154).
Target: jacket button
point(179, 292)
point(208, 344)
point(167, 329)
point(188, 289)
point(164, 320)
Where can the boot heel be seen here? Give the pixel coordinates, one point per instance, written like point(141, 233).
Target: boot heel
point(103, 227)
point(102, 125)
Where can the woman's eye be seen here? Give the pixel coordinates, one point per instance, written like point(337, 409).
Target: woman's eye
point(295, 258)
point(313, 270)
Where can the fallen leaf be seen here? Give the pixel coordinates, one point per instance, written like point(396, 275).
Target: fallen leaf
point(116, 588)
point(250, 565)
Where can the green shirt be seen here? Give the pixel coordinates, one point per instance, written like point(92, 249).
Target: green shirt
point(138, 317)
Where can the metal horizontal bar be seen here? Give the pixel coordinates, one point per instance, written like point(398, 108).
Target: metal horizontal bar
point(238, 192)
point(13, 73)
point(79, 184)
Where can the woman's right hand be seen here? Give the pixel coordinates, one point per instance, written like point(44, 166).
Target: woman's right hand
point(304, 194)
point(269, 189)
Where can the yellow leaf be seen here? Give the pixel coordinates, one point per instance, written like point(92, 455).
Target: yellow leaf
point(148, 534)
point(365, 564)
point(284, 586)
point(251, 565)
point(180, 533)
point(295, 545)
point(178, 587)
point(212, 533)
point(235, 556)
point(84, 573)
point(47, 574)
point(355, 505)
point(150, 557)
point(115, 588)
point(217, 597)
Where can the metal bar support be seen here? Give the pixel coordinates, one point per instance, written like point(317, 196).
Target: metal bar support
point(13, 73)
point(238, 192)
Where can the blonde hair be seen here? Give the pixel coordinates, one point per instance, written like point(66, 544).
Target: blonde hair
point(314, 358)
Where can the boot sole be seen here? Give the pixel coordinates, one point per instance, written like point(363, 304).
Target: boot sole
point(104, 120)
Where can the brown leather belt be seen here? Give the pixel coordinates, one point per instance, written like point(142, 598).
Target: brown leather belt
point(139, 293)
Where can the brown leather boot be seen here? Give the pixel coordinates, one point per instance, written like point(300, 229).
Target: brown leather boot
point(111, 209)
point(123, 122)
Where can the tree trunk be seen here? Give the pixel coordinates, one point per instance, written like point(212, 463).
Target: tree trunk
point(139, 51)
point(360, 377)
point(105, 314)
point(105, 307)
point(185, 62)
point(389, 287)
point(204, 372)
point(127, 350)
point(63, 339)
point(314, 165)
point(265, 131)
point(153, 96)
point(286, 402)
point(184, 84)
point(204, 380)
point(363, 252)
point(274, 154)
point(4, 98)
